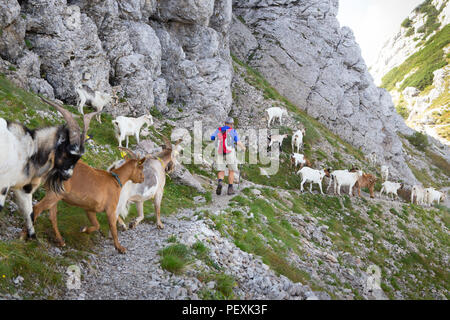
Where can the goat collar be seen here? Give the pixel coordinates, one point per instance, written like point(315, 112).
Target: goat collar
point(117, 178)
point(162, 162)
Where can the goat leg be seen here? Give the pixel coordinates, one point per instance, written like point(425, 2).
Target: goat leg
point(112, 220)
point(92, 216)
point(158, 211)
point(53, 213)
point(140, 210)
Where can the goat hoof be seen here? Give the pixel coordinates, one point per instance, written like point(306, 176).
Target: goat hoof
point(31, 236)
point(61, 243)
point(121, 250)
point(132, 225)
point(160, 226)
point(83, 229)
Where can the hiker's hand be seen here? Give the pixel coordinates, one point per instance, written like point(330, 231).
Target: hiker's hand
point(241, 145)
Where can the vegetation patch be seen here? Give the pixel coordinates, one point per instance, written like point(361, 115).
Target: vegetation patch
point(426, 61)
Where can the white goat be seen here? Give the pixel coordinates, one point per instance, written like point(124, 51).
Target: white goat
point(432, 195)
point(299, 159)
point(276, 138)
point(391, 188)
point(95, 99)
point(384, 173)
point(125, 127)
point(155, 169)
point(312, 176)
point(29, 157)
point(373, 158)
point(275, 113)
point(346, 179)
point(297, 140)
point(418, 193)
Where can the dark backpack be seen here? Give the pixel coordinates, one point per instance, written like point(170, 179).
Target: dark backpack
point(225, 141)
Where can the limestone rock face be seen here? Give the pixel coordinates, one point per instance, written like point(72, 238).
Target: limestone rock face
point(68, 47)
point(153, 51)
point(12, 27)
point(305, 54)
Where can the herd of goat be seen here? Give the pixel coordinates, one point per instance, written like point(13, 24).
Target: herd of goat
point(353, 178)
point(52, 156)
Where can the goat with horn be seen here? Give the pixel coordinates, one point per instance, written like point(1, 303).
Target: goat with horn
point(155, 169)
point(31, 156)
point(94, 191)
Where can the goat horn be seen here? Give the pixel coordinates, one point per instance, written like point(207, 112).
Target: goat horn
point(86, 122)
point(167, 142)
point(131, 153)
point(150, 156)
point(74, 128)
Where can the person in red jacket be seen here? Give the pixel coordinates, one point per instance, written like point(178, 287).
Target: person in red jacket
point(226, 138)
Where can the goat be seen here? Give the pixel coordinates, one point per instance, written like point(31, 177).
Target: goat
point(418, 193)
point(333, 180)
point(391, 188)
point(373, 158)
point(299, 159)
point(384, 173)
point(275, 113)
point(125, 127)
point(297, 139)
point(95, 191)
point(366, 181)
point(432, 195)
point(312, 176)
point(31, 156)
point(155, 169)
point(277, 139)
point(95, 99)
point(349, 179)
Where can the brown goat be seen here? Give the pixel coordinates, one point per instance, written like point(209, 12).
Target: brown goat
point(94, 191)
point(307, 163)
point(366, 181)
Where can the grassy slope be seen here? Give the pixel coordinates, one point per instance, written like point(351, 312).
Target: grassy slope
point(270, 235)
point(34, 261)
point(426, 61)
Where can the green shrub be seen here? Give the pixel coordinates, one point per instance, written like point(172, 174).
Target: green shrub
point(410, 32)
point(418, 140)
point(406, 23)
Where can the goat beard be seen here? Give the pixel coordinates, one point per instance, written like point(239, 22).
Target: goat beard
point(55, 181)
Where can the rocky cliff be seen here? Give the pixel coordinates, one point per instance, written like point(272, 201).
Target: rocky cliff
point(301, 49)
point(155, 52)
point(175, 56)
point(421, 24)
point(414, 66)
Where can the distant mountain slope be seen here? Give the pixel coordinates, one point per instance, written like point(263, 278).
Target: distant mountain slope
point(414, 67)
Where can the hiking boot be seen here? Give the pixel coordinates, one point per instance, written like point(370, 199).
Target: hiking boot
point(230, 190)
point(219, 189)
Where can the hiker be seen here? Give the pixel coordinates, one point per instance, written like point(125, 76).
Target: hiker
point(227, 138)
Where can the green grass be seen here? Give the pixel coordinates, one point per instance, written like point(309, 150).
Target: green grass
point(426, 61)
point(39, 269)
point(175, 258)
point(418, 140)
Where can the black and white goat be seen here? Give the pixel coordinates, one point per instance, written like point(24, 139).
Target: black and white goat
point(29, 157)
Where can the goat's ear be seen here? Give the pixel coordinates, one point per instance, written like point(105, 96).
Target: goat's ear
point(141, 161)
